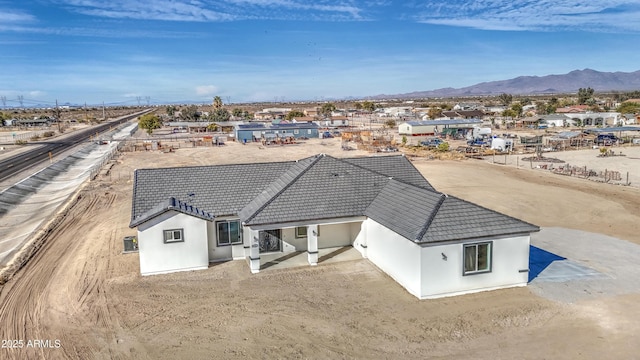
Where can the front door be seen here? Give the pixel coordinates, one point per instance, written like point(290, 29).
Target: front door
point(270, 241)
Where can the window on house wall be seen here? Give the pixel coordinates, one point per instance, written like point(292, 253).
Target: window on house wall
point(173, 235)
point(477, 258)
point(229, 232)
point(301, 232)
point(296, 132)
point(309, 131)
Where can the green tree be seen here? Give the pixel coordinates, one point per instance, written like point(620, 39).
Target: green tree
point(509, 113)
point(293, 114)
point(327, 109)
point(368, 106)
point(390, 123)
point(628, 107)
point(357, 106)
point(237, 112)
point(220, 115)
point(190, 113)
point(584, 95)
point(149, 122)
point(505, 99)
point(517, 108)
point(171, 110)
point(217, 102)
point(434, 112)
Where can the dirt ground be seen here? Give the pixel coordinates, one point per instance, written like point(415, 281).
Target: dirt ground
point(83, 294)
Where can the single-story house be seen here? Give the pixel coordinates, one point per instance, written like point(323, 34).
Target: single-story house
point(34, 122)
point(432, 244)
point(432, 127)
point(335, 121)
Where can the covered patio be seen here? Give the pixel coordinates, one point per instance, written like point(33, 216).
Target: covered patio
point(275, 261)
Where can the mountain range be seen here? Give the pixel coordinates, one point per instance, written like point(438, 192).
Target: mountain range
point(536, 85)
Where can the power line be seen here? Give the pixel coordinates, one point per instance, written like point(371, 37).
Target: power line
point(4, 101)
point(20, 100)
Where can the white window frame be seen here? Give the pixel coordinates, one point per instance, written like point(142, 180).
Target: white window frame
point(169, 236)
point(228, 242)
point(296, 131)
point(472, 270)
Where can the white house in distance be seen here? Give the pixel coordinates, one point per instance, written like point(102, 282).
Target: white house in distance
point(432, 244)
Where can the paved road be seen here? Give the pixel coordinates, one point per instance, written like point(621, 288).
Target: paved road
point(14, 164)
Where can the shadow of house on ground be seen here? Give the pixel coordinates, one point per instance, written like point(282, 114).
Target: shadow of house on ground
point(539, 260)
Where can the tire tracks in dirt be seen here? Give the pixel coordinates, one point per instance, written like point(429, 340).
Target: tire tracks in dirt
point(60, 293)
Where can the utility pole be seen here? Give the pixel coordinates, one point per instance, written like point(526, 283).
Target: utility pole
point(148, 98)
point(4, 101)
point(20, 100)
point(138, 98)
point(104, 117)
point(58, 117)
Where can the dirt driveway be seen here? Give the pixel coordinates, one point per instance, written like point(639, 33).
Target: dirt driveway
point(82, 290)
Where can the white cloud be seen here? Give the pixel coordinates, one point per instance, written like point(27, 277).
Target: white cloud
point(14, 16)
point(206, 90)
point(543, 15)
point(36, 93)
point(216, 10)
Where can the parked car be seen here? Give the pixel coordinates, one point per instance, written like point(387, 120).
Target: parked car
point(432, 142)
point(478, 142)
point(605, 139)
point(326, 135)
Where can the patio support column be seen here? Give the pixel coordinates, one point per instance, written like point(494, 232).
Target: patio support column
point(254, 251)
point(246, 241)
point(312, 244)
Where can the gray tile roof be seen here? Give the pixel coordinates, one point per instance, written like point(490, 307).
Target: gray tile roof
point(425, 216)
point(387, 189)
point(396, 166)
point(321, 188)
point(219, 190)
point(168, 205)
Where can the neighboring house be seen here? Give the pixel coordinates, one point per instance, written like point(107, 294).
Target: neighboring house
point(335, 121)
point(431, 127)
point(432, 244)
point(34, 122)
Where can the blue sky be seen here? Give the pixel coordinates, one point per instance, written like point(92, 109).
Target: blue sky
point(119, 51)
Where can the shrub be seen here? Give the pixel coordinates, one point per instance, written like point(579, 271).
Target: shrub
point(443, 147)
point(48, 134)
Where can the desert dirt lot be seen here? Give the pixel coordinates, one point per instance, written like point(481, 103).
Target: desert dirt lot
point(82, 290)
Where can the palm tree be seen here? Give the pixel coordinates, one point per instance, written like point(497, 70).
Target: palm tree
point(217, 102)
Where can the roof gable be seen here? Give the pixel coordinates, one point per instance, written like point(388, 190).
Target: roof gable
point(169, 205)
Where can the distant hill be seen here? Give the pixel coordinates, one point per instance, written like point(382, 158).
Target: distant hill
point(532, 85)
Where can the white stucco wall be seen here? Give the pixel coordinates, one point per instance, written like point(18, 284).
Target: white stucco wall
point(394, 254)
point(225, 252)
point(445, 277)
point(334, 235)
point(289, 236)
point(156, 257)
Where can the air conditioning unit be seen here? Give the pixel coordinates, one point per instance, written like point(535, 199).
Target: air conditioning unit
point(130, 244)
